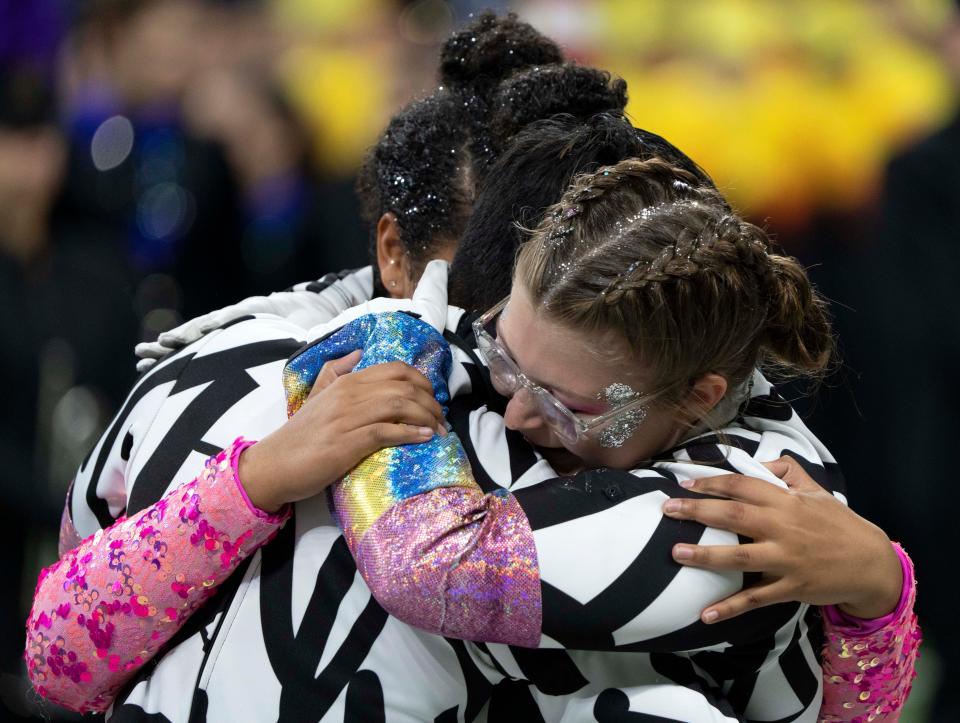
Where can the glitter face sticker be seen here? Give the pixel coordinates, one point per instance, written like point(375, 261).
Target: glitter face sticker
point(620, 430)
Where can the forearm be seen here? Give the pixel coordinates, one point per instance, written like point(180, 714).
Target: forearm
point(438, 553)
point(441, 555)
point(868, 665)
point(107, 606)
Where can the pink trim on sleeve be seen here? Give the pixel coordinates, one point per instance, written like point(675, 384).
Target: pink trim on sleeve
point(868, 670)
point(107, 606)
point(852, 625)
point(274, 518)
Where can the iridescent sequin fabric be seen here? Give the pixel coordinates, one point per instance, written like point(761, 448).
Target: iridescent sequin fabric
point(868, 666)
point(108, 605)
point(435, 550)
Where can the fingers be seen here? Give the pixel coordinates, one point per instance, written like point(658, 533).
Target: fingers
point(181, 336)
point(374, 437)
point(736, 487)
point(333, 369)
point(417, 409)
point(751, 598)
point(431, 294)
point(795, 476)
point(749, 557)
point(393, 371)
point(401, 401)
point(357, 405)
point(145, 364)
point(151, 350)
point(735, 516)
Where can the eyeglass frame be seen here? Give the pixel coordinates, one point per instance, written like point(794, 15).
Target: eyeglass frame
point(581, 427)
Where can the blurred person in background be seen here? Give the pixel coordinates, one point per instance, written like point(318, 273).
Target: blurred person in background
point(136, 172)
point(912, 327)
point(185, 148)
point(62, 378)
point(292, 221)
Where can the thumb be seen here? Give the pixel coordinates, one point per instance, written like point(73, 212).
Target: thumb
point(430, 296)
point(335, 368)
point(790, 471)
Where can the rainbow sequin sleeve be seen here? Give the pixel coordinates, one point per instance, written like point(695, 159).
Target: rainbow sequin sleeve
point(435, 550)
point(868, 665)
point(109, 604)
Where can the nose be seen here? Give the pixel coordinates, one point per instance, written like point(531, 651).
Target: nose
point(521, 413)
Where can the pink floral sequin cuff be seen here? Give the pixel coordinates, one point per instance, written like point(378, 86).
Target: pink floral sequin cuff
point(868, 671)
point(853, 626)
point(109, 604)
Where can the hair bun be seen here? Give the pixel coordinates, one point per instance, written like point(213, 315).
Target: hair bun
point(798, 327)
point(491, 48)
point(544, 91)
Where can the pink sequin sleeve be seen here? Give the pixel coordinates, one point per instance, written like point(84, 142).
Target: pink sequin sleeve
point(868, 665)
point(107, 606)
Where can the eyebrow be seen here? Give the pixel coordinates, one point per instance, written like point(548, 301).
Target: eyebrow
point(554, 389)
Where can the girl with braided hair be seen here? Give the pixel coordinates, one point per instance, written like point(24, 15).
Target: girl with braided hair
point(627, 354)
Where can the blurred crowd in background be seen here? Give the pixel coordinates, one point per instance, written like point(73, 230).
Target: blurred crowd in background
point(161, 158)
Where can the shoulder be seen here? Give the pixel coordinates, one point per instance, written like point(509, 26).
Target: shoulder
point(190, 405)
point(767, 429)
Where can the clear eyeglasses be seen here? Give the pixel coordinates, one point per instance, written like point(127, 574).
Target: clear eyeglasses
point(507, 379)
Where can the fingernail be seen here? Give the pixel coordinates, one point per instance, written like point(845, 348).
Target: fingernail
point(682, 552)
point(687, 483)
point(710, 616)
point(425, 432)
point(671, 506)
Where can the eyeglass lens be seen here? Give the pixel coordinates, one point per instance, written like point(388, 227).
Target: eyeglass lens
point(506, 379)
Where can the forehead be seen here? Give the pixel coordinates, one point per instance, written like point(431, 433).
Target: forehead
point(563, 359)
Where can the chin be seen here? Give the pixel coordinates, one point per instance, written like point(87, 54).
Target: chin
point(543, 439)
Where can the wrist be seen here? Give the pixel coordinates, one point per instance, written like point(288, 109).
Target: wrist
point(256, 481)
point(882, 598)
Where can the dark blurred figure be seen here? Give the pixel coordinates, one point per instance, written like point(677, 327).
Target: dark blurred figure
point(294, 225)
point(134, 171)
point(914, 342)
point(65, 311)
point(193, 159)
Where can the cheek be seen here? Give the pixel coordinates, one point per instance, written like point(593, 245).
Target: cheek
point(622, 430)
point(646, 440)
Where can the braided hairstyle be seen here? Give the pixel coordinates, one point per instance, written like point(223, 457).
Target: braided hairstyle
point(533, 172)
point(645, 251)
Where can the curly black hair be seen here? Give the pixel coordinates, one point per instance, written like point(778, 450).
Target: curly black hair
point(545, 91)
point(478, 58)
point(430, 160)
point(423, 169)
point(421, 172)
point(489, 49)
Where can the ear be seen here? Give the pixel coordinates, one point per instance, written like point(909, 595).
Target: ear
point(392, 259)
point(707, 392)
